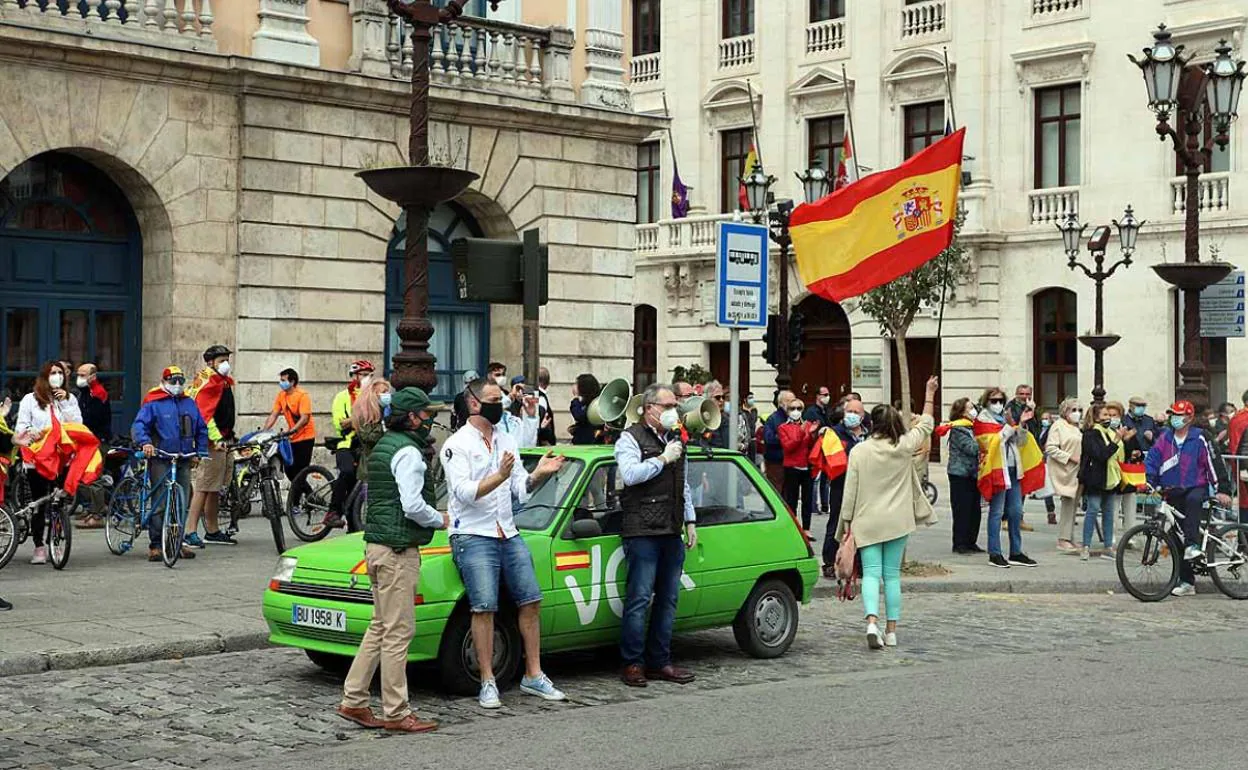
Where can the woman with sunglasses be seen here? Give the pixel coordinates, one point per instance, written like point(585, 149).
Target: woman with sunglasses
point(1008, 502)
point(34, 419)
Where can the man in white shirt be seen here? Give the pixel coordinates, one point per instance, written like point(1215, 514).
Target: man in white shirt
point(483, 482)
point(546, 432)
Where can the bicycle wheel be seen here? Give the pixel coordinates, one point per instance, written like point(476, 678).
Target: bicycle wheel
point(307, 505)
point(173, 528)
point(60, 533)
point(8, 535)
point(357, 508)
point(273, 512)
point(121, 523)
point(1148, 562)
point(1227, 558)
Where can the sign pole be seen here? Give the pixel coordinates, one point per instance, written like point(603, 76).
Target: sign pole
point(734, 383)
point(532, 303)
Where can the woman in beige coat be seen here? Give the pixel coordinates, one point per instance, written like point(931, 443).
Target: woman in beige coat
point(1062, 452)
point(883, 503)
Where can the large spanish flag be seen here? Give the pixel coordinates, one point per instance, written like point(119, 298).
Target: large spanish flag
point(828, 456)
point(993, 477)
point(69, 448)
point(880, 228)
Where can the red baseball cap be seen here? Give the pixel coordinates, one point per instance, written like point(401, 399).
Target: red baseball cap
point(172, 371)
point(1182, 407)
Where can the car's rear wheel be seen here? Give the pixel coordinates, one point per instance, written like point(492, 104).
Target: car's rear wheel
point(767, 623)
point(457, 658)
point(334, 664)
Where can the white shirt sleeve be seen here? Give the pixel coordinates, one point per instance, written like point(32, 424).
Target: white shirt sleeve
point(457, 466)
point(70, 411)
point(519, 480)
point(526, 435)
point(25, 414)
point(408, 468)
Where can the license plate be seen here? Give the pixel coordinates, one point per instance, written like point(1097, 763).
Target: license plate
point(318, 617)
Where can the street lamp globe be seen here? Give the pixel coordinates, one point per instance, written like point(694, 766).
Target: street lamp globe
point(1224, 82)
point(1128, 230)
point(756, 184)
point(1072, 233)
point(815, 182)
point(1162, 67)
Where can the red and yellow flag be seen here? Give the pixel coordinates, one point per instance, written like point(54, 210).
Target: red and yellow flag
point(828, 456)
point(993, 477)
point(1133, 476)
point(66, 447)
point(881, 227)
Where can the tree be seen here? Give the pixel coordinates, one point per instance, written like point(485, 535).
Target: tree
point(895, 304)
point(694, 374)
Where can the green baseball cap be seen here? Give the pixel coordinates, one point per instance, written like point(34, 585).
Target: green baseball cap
point(413, 400)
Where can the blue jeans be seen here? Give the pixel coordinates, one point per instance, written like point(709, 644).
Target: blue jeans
point(156, 504)
point(882, 560)
point(481, 561)
point(1101, 503)
point(654, 567)
point(1009, 503)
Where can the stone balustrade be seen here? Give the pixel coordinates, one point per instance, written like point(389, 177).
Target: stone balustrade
point(922, 19)
point(644, 68)
point(1044, 9)
point(1214, 194)
point(180, 23)
point(825, 37)
point(1050, 207)
point(736, 52)
point(697, 234)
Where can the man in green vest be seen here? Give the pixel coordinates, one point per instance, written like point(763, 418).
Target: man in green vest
point(401, 518)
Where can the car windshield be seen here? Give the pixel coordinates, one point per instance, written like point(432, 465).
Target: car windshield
point(544, 504)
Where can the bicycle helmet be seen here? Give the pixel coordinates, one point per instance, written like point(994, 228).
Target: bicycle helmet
point(216, 351)
point(363, 365)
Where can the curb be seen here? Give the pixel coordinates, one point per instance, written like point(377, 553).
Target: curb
point(22, 663)
point(827, 590)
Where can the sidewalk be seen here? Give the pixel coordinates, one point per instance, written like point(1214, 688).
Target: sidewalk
point(106, 609)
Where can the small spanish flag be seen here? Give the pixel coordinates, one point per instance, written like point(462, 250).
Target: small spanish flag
point(993, 477)
point(571, 560)
point(1133, 476)
point(881, 227)
point(828, 456)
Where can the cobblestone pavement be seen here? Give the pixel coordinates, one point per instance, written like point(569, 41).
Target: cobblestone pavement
point(246, 706)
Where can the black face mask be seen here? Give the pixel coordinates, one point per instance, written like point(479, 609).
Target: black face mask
point(492, 411)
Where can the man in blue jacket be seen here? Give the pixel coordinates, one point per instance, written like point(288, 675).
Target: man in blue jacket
point(773, 454)
point(169, 421)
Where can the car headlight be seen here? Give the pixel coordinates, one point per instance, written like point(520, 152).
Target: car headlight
point(285, 571)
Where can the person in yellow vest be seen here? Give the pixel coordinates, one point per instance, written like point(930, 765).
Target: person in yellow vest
point(346, 453)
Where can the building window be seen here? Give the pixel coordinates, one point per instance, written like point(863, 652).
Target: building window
point(645, 346)
point(1055, 347)
point(738, 18)
point(925, 125)
point(1058, 155)
point(825, 10)
point(645, 27)
point(734, 146)
point(648, 175)
point(1218, 161)
point(825, 141)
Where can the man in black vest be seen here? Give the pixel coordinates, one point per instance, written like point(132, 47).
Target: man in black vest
point(657, 508)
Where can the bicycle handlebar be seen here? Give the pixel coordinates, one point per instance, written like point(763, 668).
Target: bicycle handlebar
point(162, 454)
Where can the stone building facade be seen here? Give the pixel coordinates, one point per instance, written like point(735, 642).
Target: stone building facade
point(174, 179)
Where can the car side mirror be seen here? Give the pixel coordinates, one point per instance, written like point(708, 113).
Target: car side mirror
point(583, 529)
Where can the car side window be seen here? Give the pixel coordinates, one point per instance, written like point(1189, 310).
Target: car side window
point(601, 499)
point(723, 493)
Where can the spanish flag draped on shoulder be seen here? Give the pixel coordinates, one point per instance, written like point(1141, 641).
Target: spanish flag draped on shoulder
point(68, 448)
point(993, 477)
point(881, 227)
point(828, 456)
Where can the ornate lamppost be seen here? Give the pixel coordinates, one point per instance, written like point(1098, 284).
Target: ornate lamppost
point(1199, 97)
point(815, 184)
point(418, 188)
point(1072, 231)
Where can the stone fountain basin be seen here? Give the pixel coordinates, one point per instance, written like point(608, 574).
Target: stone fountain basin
point(418, 185)
point(1193, 275)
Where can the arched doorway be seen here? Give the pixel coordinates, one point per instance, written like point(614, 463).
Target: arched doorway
point(70, 277)
point(825, 355)
point(461, 330)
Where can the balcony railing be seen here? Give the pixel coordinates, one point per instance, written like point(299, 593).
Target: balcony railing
point(923, 19)
point(644, 68)
point(825, 36)
point(1214, 193)
point(185, 23)
point(1045, 9)
point(1050, 207)
point(697, 234)
point(736, 51)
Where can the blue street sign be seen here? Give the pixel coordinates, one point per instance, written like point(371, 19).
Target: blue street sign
point(741, 276)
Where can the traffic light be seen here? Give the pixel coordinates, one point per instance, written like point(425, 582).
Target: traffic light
point(797, 330)
point(771, 342)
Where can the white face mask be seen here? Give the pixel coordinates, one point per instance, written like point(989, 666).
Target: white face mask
point(223, 368)
point(502, 381)
point(669, 419)
point(1075, 416)
point(506, 402)
point(172, 388)
point(996, 408)
point(795, 415)
point(825, 400)
point(82, 382)
point(56, 380)
point(972, 413)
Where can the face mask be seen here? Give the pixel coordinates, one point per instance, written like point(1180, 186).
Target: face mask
point(422, 429)
point(669, 419)
point(1075, 416)
point(492, 412)
point(749, 402)
point(1177, 421)
point(502, 381)
point(82, 382)
point(56, 380)
point(727, 408)
point(825, 400)
point(795, 415)
point(384, 399)
point(1115, 422)
point(223, 368)
point(1139, 411)
point(996, 407)
point(285, 384)
point(173, 388)
point(852, 420)
point(972, 413)
point(1044, 423)
point(1213, 421)
point(506, 401)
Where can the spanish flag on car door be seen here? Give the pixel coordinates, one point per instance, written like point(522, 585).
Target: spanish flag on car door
point(882, 226)
point(993, 477)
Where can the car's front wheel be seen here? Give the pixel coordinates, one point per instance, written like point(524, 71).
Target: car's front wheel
point(334, 664)
point(457, 657)
point(767, 623)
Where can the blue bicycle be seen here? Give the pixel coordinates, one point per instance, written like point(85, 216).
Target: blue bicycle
point(136, 498)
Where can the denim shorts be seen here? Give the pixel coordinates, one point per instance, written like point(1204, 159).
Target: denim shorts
point(483, 560)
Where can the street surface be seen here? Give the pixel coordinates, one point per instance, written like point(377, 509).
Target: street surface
point(1033, 681)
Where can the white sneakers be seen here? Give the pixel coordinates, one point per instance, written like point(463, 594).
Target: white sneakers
point(890, 639)
point(875, 640)
point(1184, 589)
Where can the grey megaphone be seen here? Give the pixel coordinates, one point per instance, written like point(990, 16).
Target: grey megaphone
point(611, 403)
point(636, 405)
point(700, 414)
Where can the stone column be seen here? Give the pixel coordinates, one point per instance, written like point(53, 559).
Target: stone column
point(369, 24)
point(283, 34)
point(604, 57)
point(557, 64)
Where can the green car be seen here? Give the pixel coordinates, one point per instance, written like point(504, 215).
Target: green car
point(751, 567)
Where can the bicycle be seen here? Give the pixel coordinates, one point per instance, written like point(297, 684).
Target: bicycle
point(16, 523)
point(130, 509)
point(243, 490)
point(1156, 547)
point(307, 503)
point(261, 452)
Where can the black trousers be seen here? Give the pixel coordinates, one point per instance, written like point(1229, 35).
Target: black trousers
point(836, 495)
point(39, 487)
point(797, 483)
point(345, 460)
point(967, 505)
point(302, 451)
point(1190, 503)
